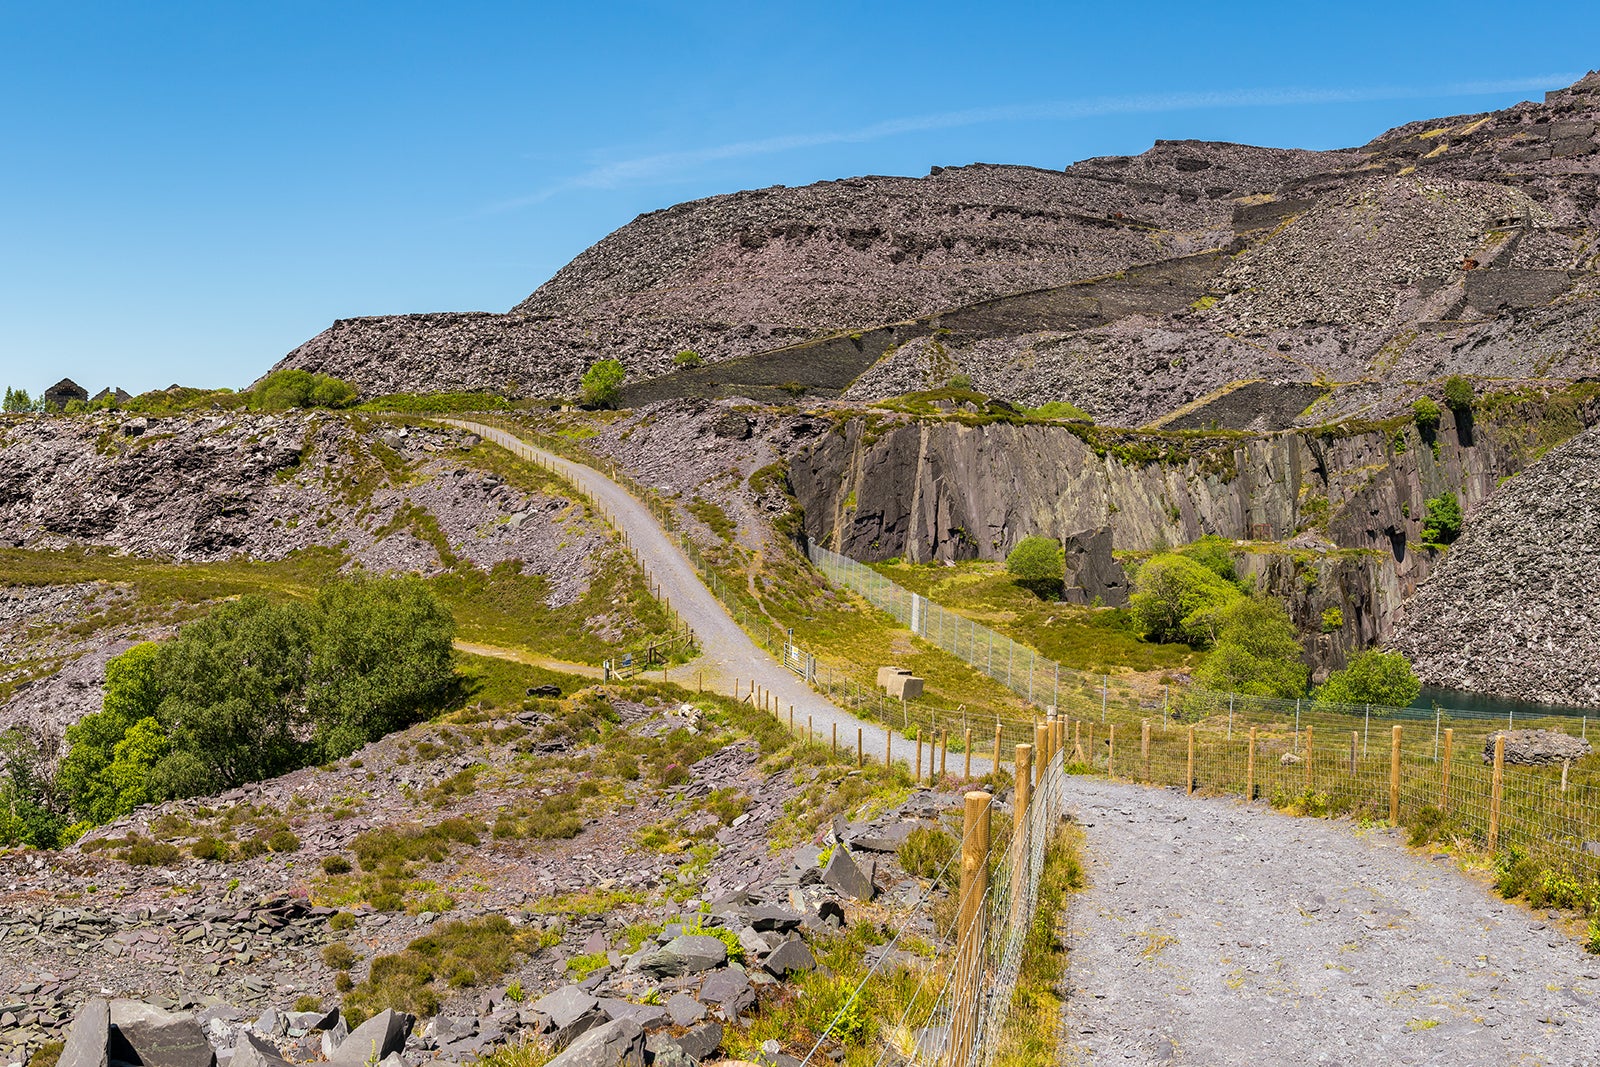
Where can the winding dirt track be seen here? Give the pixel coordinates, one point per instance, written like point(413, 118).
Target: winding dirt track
point(728, 654)
point(1218, 933)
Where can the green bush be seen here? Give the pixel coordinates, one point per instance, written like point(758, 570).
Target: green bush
point(1038, 565)
point(1441, 522)
point(1332, 620)
point(926, 852)
point(335, 865)
point(454, 955)
point(602, 384)
point(1059, 409)
point(283, 841)
point(1373, 677)
point(300, 389)
point(1179, 600)
point(1458, 394)
point(1256, 652)
point(1426, 414)
point(339, 956)
point(211, 849)
point(687, 359)
point(255, 689)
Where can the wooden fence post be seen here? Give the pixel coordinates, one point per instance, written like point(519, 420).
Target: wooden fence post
point(1355, 740)
point(1144, 746)
point(1250, 767)
point(1188, 781)
point(1020, 850)
point(1111, 747)
point(1394, 776)
point(996, 768)
point(861, 751)
point(969, 927)
point(835, 740)
point(1077, 740)
point(1444, 771)
point(1041, 748)
point(918, 776)
point(888, 748)
point(1497, 790)
point(944, 751)
point(966, 747)
point(1308, 757)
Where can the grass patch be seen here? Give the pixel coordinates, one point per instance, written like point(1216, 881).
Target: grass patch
point(454, 956)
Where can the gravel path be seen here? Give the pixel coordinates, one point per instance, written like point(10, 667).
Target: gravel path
point(1217, 933)
point(728, 655)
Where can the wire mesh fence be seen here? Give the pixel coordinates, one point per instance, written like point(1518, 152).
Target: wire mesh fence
point(1366, 760)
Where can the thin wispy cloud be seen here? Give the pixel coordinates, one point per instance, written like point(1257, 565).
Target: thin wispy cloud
point(666, 164)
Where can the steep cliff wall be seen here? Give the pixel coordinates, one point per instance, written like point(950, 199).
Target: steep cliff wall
point(1348, 501)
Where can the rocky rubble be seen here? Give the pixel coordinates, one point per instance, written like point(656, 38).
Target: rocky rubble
point(1514, 607)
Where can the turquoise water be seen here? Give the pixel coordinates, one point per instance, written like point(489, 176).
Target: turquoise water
point(1479, 706)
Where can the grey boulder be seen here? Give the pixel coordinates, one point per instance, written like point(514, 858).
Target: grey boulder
point(791, 957)
point(685, 954)
point(251, 1051)
point(565, 1005)
point(384, 1033)
point(86, 1041)
point(142, 1033)
point(619, 1043)
point(729, 990)
point(845, 877)
point(685, 1010)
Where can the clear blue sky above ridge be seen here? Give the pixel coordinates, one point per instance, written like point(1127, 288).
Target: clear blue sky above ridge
point(191, 190)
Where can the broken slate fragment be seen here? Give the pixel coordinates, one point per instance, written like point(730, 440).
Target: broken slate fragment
point(374, 1039)
point(251, 1051)
point(685, 954)
point(791, 957)
point(846, 878)
point(144, 1034)
point(86, 1041)
point(685, 1010)
point(619, 1043)
point(565, 1005)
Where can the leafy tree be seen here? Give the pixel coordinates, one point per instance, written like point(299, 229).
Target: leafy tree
point(1426, 414)
point(1176, 599)
point(133, 692)
point(602, 383)
point(1215, 555)
point(383, 660)
point(29, 812)
point(1373, 677)
point(301, 389)
point(1038, 565)
point(1441, 522)
point(1458, 394)
point(1257, 651)
point(17, 401)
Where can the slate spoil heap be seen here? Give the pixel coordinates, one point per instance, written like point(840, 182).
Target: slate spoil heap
point(669, 1003)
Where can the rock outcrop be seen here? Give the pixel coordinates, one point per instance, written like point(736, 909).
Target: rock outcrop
point(1514, 608)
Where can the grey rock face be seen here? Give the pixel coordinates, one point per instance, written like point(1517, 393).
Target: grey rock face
point(845, 877)
point(142, 1033)
point(684, 1009)
point(374, 1039)
point(86, 1041)
point(729, 990)
point(1537, 748)
point(565, 1005)
point(252, 1051)
point(685, 954)
point(619, 1043)
point(789, 958)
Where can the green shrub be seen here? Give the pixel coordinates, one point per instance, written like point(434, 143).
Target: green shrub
point(300, 389)
point(1373, 677)
point(1256, 652)
point(729, 939)
point(283, 841)
point(1441, 523)
point(602, 384)
point(687, 359)
point(49, 1053)
point(1038, 565)
point(1059, 409)
point(1426, 414)
point(335, 865)
point(1332, 620)
point(339, 956)
point(210, 848)
point(926, 852)
point(151, 854)
point(454, 955)
point(1458, 394)
point(341, 920)
point(1430, 824)
point(1179, 600)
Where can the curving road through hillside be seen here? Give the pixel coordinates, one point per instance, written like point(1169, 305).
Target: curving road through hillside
point(728, 655)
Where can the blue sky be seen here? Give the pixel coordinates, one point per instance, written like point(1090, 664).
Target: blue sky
point(188, 191)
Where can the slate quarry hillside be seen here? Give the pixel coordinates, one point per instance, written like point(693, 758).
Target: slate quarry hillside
point(1457, 245)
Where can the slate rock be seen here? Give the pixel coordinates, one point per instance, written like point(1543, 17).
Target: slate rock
point(791, 957)
point(685, 954)
point(684, 1009)
point(143, 1033)
point(86, 1041)
point(565, 1005)
point(648, 1016)
point(764, 917)
point(702, 1041)
point(619, 1043)
point(845, 877)
point(252, 1051)
point(884, 839)
point(729, 990)
point(374, 1039)
point(333, 1037)
point(1536, 748)
point(563, 1036)
point(447, 1028)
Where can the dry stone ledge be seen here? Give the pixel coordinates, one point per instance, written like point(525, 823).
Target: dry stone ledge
point(1537, 748)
